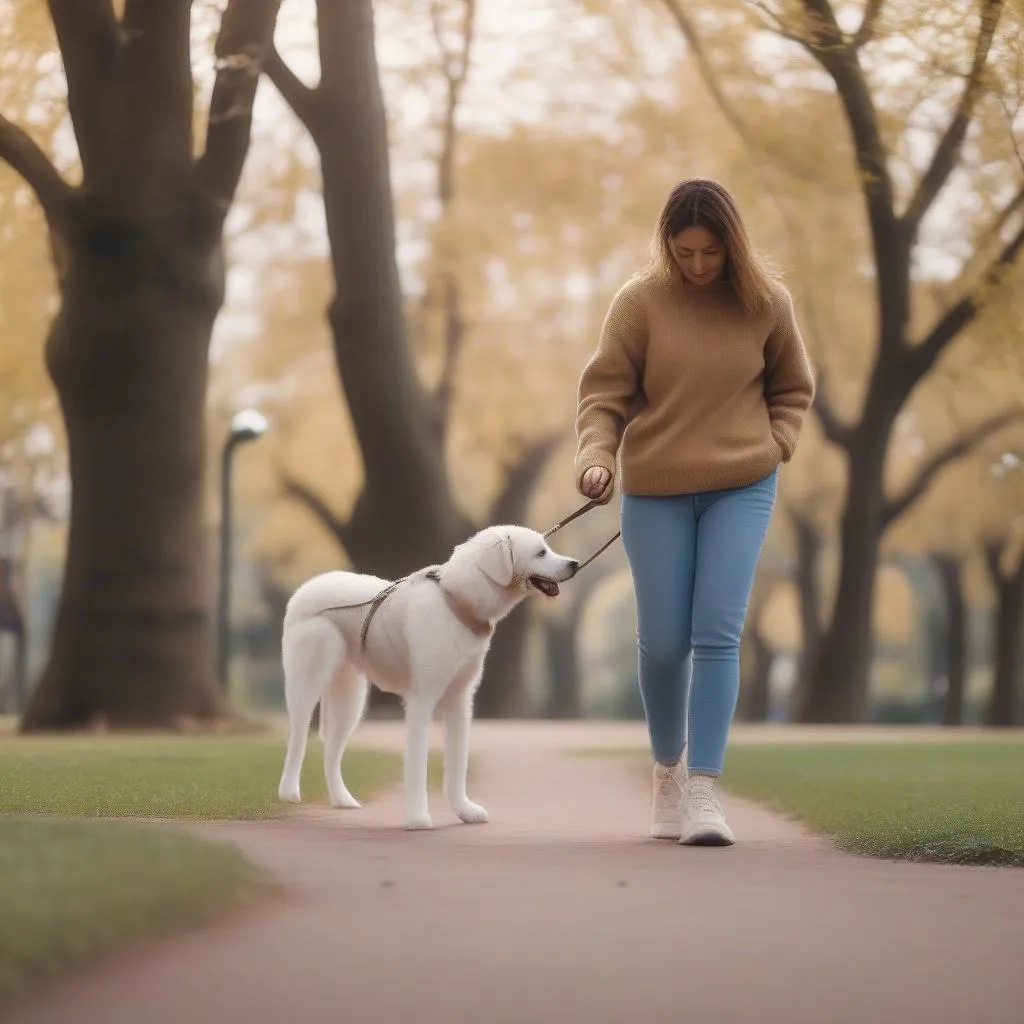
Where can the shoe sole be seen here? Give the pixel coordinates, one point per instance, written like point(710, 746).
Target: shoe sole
point(707, 837)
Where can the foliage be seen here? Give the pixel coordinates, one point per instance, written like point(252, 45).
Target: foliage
point(572, 125)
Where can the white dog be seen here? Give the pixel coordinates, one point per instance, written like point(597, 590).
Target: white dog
point(424, 638)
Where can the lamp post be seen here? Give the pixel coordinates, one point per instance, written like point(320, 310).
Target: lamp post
point(247, 425)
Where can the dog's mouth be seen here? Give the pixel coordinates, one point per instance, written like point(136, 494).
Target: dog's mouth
point(549, 588)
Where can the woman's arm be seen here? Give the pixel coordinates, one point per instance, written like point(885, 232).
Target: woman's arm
point(608, 385)
point(788, 381)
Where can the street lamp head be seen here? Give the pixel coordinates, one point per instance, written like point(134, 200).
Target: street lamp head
point(1006, 463)
point(248, 424)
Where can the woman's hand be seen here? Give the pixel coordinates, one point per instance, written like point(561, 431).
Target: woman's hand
point(595, 481)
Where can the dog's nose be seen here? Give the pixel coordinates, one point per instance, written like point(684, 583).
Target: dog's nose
point(574, 566)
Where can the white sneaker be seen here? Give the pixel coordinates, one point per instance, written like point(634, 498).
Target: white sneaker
point(667, 803)
point(703, 821)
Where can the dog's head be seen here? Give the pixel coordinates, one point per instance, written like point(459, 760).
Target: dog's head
point(516, 558)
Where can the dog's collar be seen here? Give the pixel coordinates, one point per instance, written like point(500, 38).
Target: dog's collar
point(465, 615)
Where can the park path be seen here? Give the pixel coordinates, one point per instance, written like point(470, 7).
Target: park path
point(561, 909)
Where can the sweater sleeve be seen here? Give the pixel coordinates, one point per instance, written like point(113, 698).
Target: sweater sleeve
point(789, 383)
point(608, 385)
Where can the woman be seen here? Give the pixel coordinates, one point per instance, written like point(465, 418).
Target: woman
point(701, 376)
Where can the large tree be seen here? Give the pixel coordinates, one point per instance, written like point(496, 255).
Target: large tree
point(904, 354)
point(902, 359)
point(137, 247)
point(406, 514)
point(1004, 558)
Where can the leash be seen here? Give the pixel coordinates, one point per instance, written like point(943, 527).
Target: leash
point(432, 573)
point(583, 510)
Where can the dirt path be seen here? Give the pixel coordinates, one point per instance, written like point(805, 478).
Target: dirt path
point(562, 910)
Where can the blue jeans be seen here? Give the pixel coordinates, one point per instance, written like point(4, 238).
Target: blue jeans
point(693, 558)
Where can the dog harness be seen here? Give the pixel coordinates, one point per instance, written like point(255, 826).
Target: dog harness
point(465, 615)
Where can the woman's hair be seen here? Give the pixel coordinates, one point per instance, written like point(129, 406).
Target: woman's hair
point(705, 203)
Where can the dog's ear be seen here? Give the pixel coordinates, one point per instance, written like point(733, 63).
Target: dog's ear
point(496, 560)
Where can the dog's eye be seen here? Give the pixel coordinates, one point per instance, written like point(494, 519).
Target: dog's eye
point(542, 552)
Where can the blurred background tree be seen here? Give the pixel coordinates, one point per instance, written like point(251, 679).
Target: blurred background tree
point(423, 244)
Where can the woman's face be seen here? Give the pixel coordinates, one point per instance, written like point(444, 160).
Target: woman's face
point(699, 254)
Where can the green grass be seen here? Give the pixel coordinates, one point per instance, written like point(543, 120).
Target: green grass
point(192, 777)
point(961, 803)
point(952, 802)
point(72, 891)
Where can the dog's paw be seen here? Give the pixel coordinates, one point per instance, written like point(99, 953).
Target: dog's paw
point(289, 796)
point(345, 801)
point(419, 822)
point(472, 814)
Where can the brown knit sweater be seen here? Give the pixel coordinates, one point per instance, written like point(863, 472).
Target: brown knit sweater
point(701, 394)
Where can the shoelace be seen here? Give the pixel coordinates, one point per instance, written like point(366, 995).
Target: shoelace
point(669, 784)
point(702, 798)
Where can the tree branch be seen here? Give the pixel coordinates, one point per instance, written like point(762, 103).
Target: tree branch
point(1011, 112)
point(1011, 120)
point(948, 150)
point(456, 68)
point(299, 96)
point(923, 356)
point(771, 20)
point(1004, 216)
point(890, 246)
point(728, 109)
point(993, 550)
point(316, 506)
point(707, 72)
point(246, 35)
point(392, 412)
point(866, 32)
point(837, 431)
point(454, 335)
point(512, 501)
point(87, 35)
point(158, 61)
point(20, 151)
point(960, 446)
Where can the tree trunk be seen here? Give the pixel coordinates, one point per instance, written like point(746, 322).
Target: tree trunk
point(128, 356)
point(139, 260)
point(1007, 707)
point(564, 688)
point(406, 516)
point(756, 703)
point(950, 571)
point(756, 653)
point(12, 624)
point(502, 691)
point(839, 685)
point(809, 543)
